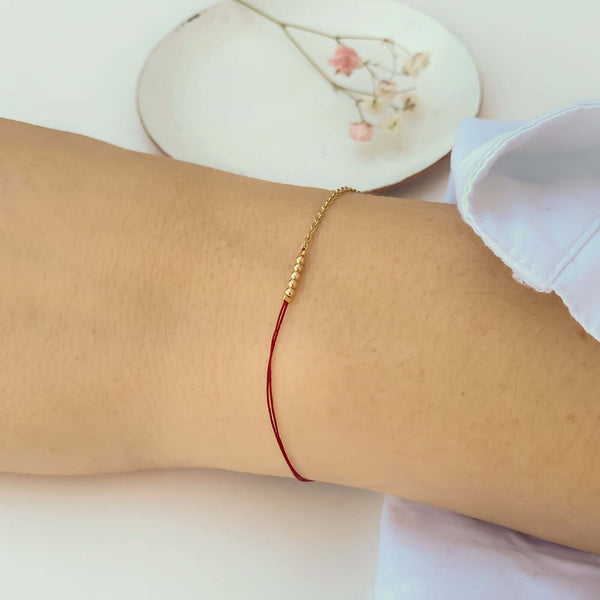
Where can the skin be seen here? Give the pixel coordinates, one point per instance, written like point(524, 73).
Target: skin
point(140, 298)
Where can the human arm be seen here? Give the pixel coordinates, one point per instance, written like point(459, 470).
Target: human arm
point(141, 293)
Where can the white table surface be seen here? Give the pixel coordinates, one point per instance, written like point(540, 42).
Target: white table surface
point(73, 65)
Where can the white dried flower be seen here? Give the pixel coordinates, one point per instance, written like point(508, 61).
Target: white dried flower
point(393, 124)
point(374, 104)
point(416, 63)
point(410, 101)
point(387, 89)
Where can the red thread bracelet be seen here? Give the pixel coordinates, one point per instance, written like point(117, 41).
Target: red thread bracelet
point(288, 296)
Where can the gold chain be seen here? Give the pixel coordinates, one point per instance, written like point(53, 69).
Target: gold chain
point(295, 276)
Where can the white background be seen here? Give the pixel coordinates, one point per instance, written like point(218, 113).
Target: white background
point(73, 65)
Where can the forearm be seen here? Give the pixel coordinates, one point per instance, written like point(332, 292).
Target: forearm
point(143, 296)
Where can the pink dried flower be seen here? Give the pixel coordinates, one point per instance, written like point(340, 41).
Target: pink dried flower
point(361, 131)
point(345, 60)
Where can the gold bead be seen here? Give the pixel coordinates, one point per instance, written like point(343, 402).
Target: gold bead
point(293, 284)
point(298, 268)
point(295, 275)
point(300, 260)
point(290, 292)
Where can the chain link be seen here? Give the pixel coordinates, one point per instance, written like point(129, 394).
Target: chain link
point(321, 212)
point(295, 276)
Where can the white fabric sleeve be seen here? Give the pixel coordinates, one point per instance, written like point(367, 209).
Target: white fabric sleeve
point(531, 191)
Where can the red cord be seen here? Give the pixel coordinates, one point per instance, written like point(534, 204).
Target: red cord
point(270, 394)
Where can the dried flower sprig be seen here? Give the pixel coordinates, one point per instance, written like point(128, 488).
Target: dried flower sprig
point(346, 60)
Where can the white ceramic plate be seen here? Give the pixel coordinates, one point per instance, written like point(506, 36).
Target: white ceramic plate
point(228, 90)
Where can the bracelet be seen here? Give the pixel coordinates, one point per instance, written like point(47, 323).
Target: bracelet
point(289, 295)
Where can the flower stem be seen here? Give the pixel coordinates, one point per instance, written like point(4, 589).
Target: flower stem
point(359, 109)
point(374, 38)
point(374, 78)
point(331, 36)
point(390, 71)
point(336, 86)
point(260, 12)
